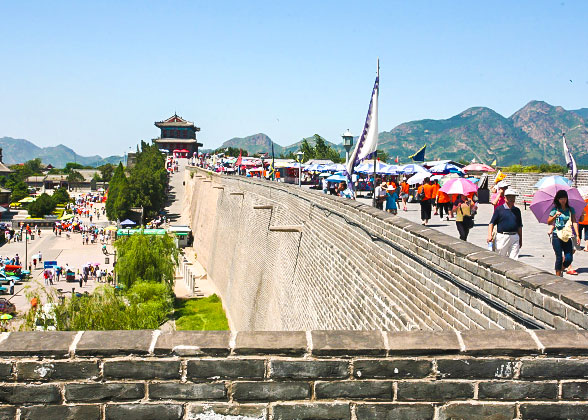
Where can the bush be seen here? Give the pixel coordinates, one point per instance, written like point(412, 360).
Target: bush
point(545, 167)
point(42, 206)
point(61, 196)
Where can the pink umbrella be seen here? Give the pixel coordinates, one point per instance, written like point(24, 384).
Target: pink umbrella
point(478, 167)
point(542, 203)
point(459, 186)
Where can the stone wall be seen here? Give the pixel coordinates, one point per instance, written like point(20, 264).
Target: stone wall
point(146, 375)
point(524, 183)
point(286, 258)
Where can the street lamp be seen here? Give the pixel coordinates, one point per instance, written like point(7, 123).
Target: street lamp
point(347, 144)
point(263, 166)
point(300, 153)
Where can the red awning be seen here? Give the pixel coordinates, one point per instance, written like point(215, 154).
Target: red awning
point(184, 151)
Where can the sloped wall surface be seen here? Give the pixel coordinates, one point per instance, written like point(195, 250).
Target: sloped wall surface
point(285, 258)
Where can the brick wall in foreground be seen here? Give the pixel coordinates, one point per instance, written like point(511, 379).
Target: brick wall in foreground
point(286, 258)
point(294, 375)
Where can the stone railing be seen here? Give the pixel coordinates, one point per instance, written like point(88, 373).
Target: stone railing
point(286, 258)
point(294, 375)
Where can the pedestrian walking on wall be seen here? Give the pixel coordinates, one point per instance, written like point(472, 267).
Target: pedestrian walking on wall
point(464, 219)
point(509, 227)
point(425, 194)
point(563, 217)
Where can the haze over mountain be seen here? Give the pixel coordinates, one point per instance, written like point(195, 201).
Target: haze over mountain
point(532, 135)
point(21, 150)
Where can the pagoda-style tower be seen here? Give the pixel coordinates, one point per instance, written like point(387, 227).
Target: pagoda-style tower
point(177, 134)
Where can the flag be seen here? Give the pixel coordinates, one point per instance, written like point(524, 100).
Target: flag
point(420, 155)
point(396, 160)
point(499, 177)
point(494, 163)
point(239, 159)
point(570, 159)
point(368, 142)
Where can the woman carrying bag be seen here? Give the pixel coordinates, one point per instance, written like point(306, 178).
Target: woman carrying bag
point(563, 218)
point(464, 219)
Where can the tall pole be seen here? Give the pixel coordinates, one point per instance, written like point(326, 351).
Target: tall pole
point(374, 181)
point(300, 173)
point(26, 249)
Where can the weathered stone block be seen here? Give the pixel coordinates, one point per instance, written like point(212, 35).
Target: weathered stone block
point(464, 411)
point(309, 369)
point(422, 343)
point(267, 342)
point(9, 413)
point(435, 391)
point(205, 411)
point(180, 391)
point(401, 369)
point(564, 342)
point(100, 343)
point(354, 389)
point(226, 369)
point(348, 343)
point(476, 368)
point(499, 342)
point(515, 391)
point(57, 370)
point(395, 411)
point(29, 394)
point(314, 411)
point(5, 371)
point(61, 412)
point(144, 412)
point(193, 343)
point(556, 411)
point(37, 343)
point(270, 391)
point(142, 369)
point(104, 392)
point(574, 391)
point(554, 369)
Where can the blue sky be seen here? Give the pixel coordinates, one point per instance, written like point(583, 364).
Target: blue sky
point(96, 75)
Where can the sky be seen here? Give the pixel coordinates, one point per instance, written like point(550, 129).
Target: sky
point(95, 76)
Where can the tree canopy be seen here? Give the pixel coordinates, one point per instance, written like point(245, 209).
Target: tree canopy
point(320, 150)
point(42, 206)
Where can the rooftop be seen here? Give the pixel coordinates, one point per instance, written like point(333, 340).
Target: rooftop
point(175, 121)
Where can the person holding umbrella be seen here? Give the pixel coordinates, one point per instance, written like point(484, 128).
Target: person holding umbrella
point(509, 226)
point(563, 218)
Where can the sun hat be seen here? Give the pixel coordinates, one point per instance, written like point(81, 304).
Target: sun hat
point(503, 184)
point(511, 191)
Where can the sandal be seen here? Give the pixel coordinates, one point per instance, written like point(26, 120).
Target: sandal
point(572, 272)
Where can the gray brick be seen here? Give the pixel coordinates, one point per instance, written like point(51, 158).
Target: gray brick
point(193, 343)
point(348, 343)
point(574, 391)
point(401, 369)
point(203, 411)
point(554, 369)
point(476, 368)
point(180, 391)
point(104, 392)
point(381, 390)
point(226, 369)
point(270, 391)
point(556, 411)
point(314, 411)
point(463, 411)
point(493, 342)
point(5, 371)
point(142, 369)
point(309, 369)
point(37, 343)
point(395, 411)
point(435, 391)
point(24, 394)
point(270, 342)
point(8, 413)
point(144, 412)
point(516, 391)
point(57, 370)
point(422, 343)
point(100, 343)
point(61, 412)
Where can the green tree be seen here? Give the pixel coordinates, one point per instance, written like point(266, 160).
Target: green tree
point(75, 178)
point(113, 191)
point(106, 172)
point(146, 257)
point(71, 166)
point(148, 180)
point(60, 196)
point(231, 151)
point(383, 156)
point(42, 206)
point(308, 150)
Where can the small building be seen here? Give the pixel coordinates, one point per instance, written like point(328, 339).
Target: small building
point(4, 170)
point(183, 235)
point(177, 134)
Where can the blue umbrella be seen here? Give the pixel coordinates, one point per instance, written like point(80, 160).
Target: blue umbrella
point(411, 168)
point(553, 180)
point(445, 168)
point(127, 222)
point(337, 178)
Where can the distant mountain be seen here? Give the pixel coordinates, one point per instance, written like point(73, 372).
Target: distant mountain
point(532, 135)
point(296, 146)
point(21, 150)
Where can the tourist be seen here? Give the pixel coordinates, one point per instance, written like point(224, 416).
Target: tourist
point(443, 202)
point(425, 193)
point(404, 191)
point(498, 198)
point(380, 194)
point(464, 219)
point(563, 217)
point(391, 200)
point(509, 227)
point(434, 194)
point(344, 192)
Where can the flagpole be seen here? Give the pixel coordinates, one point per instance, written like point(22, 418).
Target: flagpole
point(374, 181)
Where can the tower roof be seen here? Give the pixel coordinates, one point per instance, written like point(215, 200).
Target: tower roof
point(174, 121)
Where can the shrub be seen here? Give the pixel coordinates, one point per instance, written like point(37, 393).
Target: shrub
point(42, 206)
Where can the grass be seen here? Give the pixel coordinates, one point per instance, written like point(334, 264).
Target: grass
point(204, 314)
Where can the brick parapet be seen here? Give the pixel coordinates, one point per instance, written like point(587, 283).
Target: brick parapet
point(293, 375)
point(398, 275)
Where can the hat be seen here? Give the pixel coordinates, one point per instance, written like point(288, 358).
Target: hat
point(503, 184)
point(390, 188)
point(510, 191)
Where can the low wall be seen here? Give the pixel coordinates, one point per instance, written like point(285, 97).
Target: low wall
point(145, 375)
point(524, 183)
point(288, 258)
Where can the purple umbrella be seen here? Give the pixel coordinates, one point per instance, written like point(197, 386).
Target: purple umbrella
point(542, 203)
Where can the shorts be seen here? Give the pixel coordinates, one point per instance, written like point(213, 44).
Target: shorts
point(405, 196)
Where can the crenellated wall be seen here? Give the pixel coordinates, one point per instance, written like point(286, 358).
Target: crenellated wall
point(285, 258)
point(344, 375)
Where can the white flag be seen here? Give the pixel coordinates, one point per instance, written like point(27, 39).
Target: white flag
point(368, 142)
point(570, 159)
